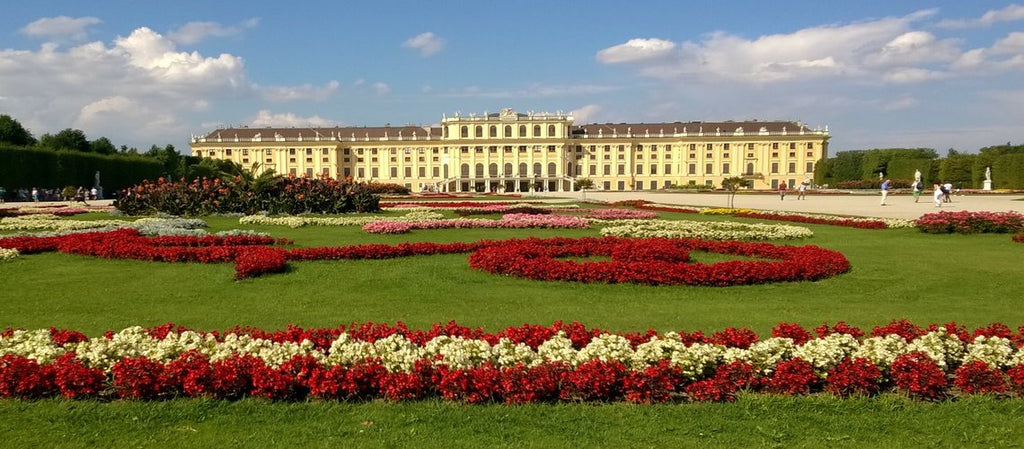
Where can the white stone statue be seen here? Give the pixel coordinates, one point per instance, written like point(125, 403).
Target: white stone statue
point(988, 173)
point(917, 176)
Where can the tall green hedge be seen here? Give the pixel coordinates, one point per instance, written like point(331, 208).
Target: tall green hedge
point(24, 168)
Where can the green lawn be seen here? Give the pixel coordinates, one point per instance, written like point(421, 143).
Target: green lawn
point(973, 280)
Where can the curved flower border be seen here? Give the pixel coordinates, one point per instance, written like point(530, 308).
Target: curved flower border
point(529, 363)
point(715, 230)
point(253, 257)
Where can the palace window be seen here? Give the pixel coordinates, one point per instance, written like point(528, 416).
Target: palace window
point(691, 169)
point(245, 152)
point(668, 169)
point(436, 171)
point(323, 151)
point(792, 145)
point(423, 172)
point(792, 167)
point(639, 185)
point(708, 147)
point(269, 160)
point(810, 154)
point(607, 169)
point(508, 130)
point(593, 170)
point(408, 172)
point(750, 146)
point(775, 145)
point(291, 160)
point(640, 169)
point(654, 169)
point(725, 155)
point(324, 159)
point(464, 131)
point(693, 147)
point(493, 131)
point(708, 169)
point(227, 152)
point(309, 151)
point(245, 160)
point(709, 155)
point(522, 148)
point(536, 130)
point(492, 149)
point(725, 146)
point(551, 130)
point(508, 148)
point(725, 168)
point(522, 130)
point(810, 145)
point(479, 131)
point(375, 172)
point(362, 172)
point(775, 167)
point(309, 172)
point(810, 167)
point(792, 154)
point(551, 148)
point(622, 169)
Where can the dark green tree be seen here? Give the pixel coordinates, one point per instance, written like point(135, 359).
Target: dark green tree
point(102, 146)
point(68, 139)
point(12, 132)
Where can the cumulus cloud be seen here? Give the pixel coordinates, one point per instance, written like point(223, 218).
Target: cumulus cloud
point(886, 49)
point(60, 28)
point(427, 43)
point(304, 92)
point(1011, 44)
point(1010, 13)
point(636, 50)
point(585, 114)
point(195, 32)
point(381, 88)
point(265, 118)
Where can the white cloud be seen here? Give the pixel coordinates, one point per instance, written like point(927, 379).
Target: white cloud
point(636, 50)
point(1010, 13)
point(305, 92)
point(381, 88)
point(60, 28)
point(536, 90)
point(900, 104)
point(585, 114)
point(1011, 44)
point(195, 32)
point(885, 49)
point(264, 118)
point(426, 43)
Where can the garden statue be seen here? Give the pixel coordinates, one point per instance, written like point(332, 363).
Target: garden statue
point(917, 176)
point(988, 174)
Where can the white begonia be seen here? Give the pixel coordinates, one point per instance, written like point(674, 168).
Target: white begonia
point(825, 353)
point(347, 351)
point(699, 360)
point(712, 230)
point(559, 349)
point(34, 344)
point(882, 351)
point(458, 352)
point(945, 349)
point(765, 354)
point(997, 352)
point(656, 349)
point(397, 353)
point(8, 254)
point(507, 353)
point(103, 353)
point(300, 221)
point(607, 347)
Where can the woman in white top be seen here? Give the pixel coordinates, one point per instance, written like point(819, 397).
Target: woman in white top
point(937, 194)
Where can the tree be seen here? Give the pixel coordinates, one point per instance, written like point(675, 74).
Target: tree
point(12, 132)
point(102, 146)
point(732, 185)
point(584, 184)
point(68, 139)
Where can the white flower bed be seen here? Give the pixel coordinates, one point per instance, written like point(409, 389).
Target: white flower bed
point(8, 254)
point(400, 354)
point(712, 230)
point(300, 221)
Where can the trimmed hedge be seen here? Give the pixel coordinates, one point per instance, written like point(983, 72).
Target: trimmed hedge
point(24, 168)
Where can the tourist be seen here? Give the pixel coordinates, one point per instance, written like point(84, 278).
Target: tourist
point(92, 193)
point(782, 191)
point(918, 185)
point(938, 194)
point(3, 194)
point(885, 191)
point(801, 191)
point(947, 189)
point(35, 195)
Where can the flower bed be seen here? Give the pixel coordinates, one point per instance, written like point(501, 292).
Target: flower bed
point(834, 221)
point(8, 254)
point(507, 221)
point(714, 230)
point(252, 256)
point(306, 220)
point(966, 222)
point(656, 261)
point(1019, 238)
point(621, 214)
point(530, 363)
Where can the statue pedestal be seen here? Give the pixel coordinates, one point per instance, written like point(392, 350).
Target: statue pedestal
point(987, 185)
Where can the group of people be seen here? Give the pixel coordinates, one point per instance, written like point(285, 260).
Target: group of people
point(801, 191)
point(941, 192)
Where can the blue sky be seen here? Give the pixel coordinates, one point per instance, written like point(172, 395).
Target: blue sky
point(941, 74)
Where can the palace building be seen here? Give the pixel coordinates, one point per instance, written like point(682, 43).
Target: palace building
point(517, 152)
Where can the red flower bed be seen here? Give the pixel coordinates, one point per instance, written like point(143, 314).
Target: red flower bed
point(646, 261)
point(967, 222)
point(656, 261)
point(862, 224)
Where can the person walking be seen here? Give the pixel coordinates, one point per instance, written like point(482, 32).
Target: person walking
point(917, 190)
point(937, 194)
point(801, 191)
point(782, 191)
point(885, 191)
point(35, 195)
point(947, 189)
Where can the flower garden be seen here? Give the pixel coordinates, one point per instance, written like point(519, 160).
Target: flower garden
point(720, 318)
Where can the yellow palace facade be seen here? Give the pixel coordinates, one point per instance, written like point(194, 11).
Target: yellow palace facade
point(521, 152)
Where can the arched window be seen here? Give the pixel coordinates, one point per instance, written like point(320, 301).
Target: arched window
point(465, 170)
point(508, 169)
point(551, 130)
point(537, 169)
point(479, 170)
point(493, 131)
point(464, 132)
point(522, 130)
point(750, 168)
point(479, 131)
point(552, 168)
point(536, 130)
point(523, 169)
point(492, 170)
point(508, 130)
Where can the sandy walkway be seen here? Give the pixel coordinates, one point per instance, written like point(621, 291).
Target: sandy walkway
point(866, 205)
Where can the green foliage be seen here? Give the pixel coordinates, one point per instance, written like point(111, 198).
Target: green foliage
point(877, 160)
point(584, 183)
point(958, 168)
point(11, 132)
point(824, 172)
point(1007, 171)
point(102, 146)
point(25, 168)
point(67, 139)
point(846, 166)
point(903, 168)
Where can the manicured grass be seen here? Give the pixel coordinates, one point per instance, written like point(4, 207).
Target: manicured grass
point(974, 280)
